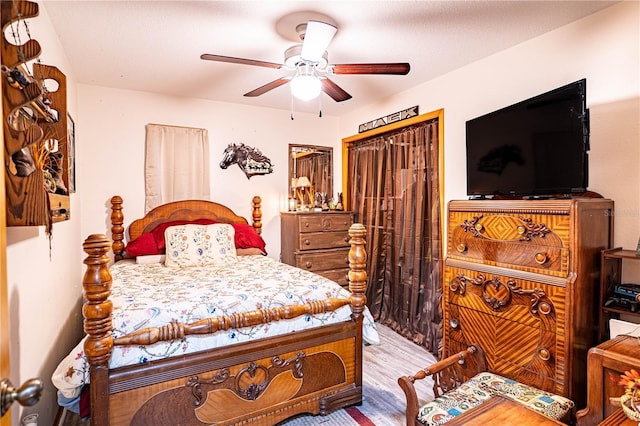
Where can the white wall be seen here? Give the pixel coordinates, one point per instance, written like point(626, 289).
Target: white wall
point(111, 132)
point(44, 277)
point(45, 286)
point(604, 48)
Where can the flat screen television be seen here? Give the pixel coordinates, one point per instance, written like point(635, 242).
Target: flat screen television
point(534, 148)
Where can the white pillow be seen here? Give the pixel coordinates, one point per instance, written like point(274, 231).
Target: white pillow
point(199, 245)
point(150, 258)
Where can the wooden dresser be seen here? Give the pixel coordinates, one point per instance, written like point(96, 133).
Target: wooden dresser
point(317, 242)
point(521, 280)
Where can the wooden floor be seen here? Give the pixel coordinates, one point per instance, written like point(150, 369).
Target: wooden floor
point(384, 401)
point(395, 356)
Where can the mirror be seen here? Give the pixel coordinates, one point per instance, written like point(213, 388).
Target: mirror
point(314, 163)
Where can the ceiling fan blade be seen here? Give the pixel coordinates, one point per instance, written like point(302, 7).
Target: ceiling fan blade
point(317, 37)
point(232, 60)
point(269, 86)
point(398, 68)
point(336, 92)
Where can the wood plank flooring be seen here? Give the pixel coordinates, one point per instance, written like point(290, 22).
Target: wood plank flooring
point(395, 356)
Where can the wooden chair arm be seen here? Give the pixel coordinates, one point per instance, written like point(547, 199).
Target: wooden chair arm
point(447, 374)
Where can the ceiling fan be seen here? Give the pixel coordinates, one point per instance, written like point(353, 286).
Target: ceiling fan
point(310, 65)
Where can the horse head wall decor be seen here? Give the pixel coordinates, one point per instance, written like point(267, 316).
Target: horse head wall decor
point(250, 160)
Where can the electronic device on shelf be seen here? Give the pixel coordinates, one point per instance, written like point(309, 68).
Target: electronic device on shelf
point(627, 291)
point(535, 148)
point(622, 302)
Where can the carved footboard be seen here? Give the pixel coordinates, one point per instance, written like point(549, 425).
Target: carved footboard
point(261, 382)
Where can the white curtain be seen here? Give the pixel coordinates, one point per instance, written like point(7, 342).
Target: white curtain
point(176, 164)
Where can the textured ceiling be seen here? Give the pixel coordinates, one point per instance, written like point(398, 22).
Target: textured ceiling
point(155, 46)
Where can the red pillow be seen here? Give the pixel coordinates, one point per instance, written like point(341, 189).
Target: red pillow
point(247, 237)
point(143, 245)
point(153, 242)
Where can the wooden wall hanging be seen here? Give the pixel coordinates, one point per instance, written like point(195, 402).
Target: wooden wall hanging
point(34, 112)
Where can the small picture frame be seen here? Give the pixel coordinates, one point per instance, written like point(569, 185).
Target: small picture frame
point(71, 153)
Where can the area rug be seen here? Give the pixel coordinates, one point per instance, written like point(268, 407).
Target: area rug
point(350, 416)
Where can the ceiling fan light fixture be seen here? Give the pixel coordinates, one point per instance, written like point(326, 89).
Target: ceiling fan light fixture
point(293, 57)
point(306, 85)
point(317, 36)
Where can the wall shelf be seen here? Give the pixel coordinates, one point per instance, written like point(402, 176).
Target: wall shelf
point(611, 275)
point(34, 113)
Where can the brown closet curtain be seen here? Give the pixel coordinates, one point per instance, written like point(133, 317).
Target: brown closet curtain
point(394, 184)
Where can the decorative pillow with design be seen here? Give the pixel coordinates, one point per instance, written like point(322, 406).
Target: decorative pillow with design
point(159, 231)
point(481, 388)
point(199, 245)
point(152, 242)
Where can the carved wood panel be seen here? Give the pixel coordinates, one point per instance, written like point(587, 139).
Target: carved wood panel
point(514, 321)
point(34, 105)
point(526, 241)
point(236, 393)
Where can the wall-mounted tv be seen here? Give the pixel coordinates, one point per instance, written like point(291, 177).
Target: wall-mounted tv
point(534, 148)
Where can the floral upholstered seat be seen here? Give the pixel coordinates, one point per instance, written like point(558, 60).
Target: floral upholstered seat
point(483, 386)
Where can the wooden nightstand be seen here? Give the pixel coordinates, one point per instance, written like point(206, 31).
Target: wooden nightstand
point(618, 418)
point(614, 356)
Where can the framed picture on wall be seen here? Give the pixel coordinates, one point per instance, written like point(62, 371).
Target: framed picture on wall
point(71, 152)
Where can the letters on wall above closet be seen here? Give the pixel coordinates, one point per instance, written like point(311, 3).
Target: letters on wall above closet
point(34, 112)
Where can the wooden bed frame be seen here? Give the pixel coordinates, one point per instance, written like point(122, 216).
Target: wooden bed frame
point(260, 382)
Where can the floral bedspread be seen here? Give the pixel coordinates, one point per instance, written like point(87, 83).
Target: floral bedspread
point(148, 295)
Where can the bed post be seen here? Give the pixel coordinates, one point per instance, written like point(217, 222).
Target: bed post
point(256, 214)
point(357, 271)
point(117, 228)
point(358, 288)
point(97, 308)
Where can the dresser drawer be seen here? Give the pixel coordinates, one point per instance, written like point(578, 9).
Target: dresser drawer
point(325, 222)
point(323, 240)
point(325, 260)
point(317, 242)
point(341, 276)
point(513, 369)
point(520, 322)
point(529, 242)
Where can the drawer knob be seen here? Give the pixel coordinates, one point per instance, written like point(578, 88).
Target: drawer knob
point(306, 224)
point(461, 247)
point(544, 308)
point(346, 239)
point(308, 264)
point(346, 260)
point(544, 354)
point(521, 229)
point(541, 258)
point(307, 242)
point(478, 227)
point(453, 323)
